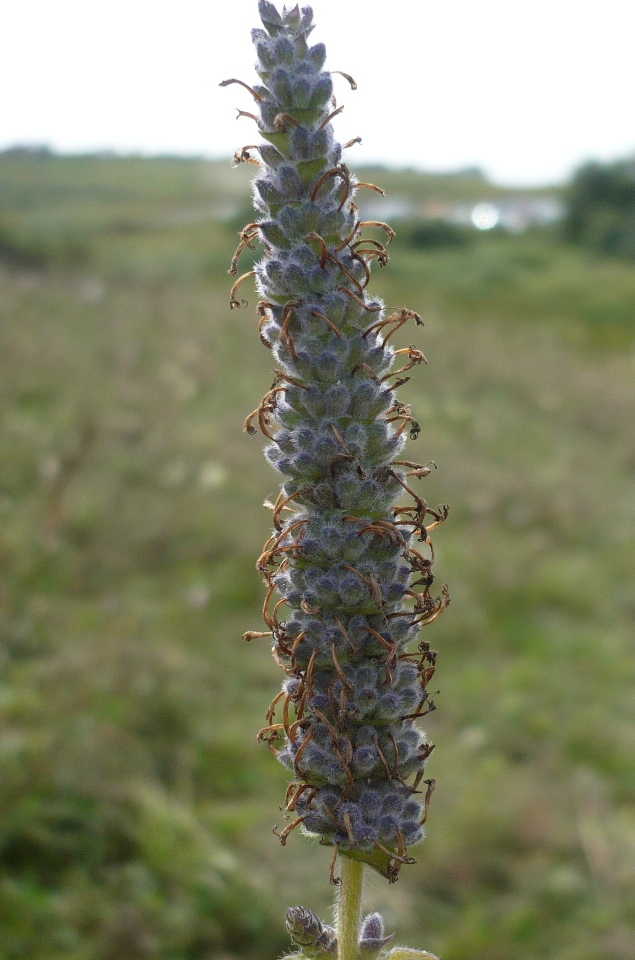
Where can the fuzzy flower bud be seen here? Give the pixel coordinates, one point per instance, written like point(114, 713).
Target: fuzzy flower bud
point(350, 561)
point(372, 939)
point(307, 932)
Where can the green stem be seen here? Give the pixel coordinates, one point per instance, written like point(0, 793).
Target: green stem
point(349, 908)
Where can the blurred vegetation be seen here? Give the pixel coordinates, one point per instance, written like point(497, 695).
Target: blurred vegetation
point(434, 234)
point(601, 208)
point(136, 807)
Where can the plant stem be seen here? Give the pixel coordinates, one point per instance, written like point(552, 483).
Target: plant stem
point(349, 907)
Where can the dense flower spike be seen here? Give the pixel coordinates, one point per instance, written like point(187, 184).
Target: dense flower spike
point(348, 569)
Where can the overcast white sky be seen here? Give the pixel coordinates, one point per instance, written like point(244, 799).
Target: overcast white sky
point(524, 90)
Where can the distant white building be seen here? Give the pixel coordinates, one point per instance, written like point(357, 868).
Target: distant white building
point(514, 213)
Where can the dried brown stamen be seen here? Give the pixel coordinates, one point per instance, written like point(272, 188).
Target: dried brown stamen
point(287, 830)
point(226, 83)
point(328, 119)
point(233, 302)
point(346, 76)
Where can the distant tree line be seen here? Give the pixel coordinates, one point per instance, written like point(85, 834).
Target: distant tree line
point(601, 208)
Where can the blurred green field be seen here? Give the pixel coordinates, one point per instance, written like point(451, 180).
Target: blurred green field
point(136, 808)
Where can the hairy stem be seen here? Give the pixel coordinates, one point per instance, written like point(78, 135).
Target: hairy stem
point(349, 906)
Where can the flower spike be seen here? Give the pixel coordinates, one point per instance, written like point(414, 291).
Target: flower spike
point(353, 588)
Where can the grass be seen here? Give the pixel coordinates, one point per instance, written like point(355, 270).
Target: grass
point(136, 807)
